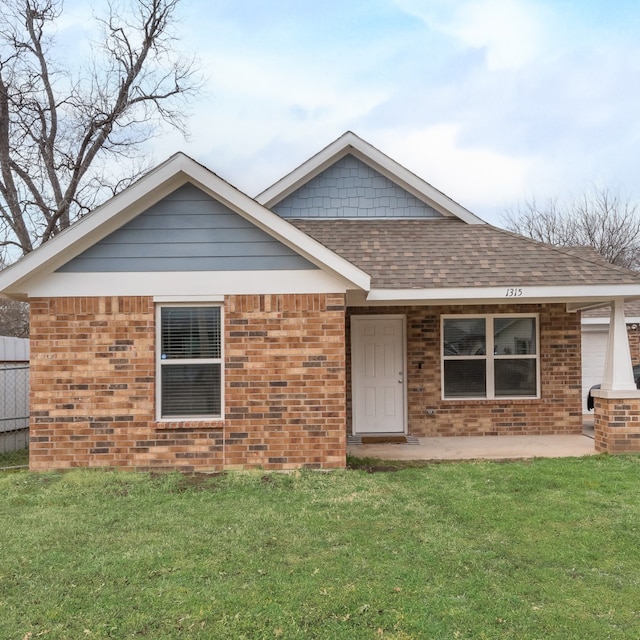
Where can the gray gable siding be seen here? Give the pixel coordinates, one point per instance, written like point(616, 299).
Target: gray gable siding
point(351, 189)
point(187, 231)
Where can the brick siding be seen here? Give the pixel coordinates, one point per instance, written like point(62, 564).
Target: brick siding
point(93, 384)
point(93, 387)
point(633, 331)
point(558, 411)
point(285, 381)
point(617, 425)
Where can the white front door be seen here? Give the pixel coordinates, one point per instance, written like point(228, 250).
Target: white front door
point(377, 361)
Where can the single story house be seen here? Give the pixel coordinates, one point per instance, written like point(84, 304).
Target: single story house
point(185, 325)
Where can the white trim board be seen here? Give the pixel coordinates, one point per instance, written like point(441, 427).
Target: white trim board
point(604, 321)
point(350, 144)
point(578, 295)
point(185, 283)
point(490, 357)
point(173, 173)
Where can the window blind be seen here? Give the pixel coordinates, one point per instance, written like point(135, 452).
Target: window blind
point(190, 361)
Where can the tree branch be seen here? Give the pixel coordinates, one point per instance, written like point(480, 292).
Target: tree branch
point(599, 218)
point(57, 132)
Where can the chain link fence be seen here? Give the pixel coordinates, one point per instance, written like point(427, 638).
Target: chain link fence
point(14, 407)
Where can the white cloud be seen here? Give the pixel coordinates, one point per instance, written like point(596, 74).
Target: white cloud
point(479, 179)
point(489, 100)
point(511, 32)
point(252, 101)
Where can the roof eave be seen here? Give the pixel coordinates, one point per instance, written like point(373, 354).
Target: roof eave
point(576, 297)
point(117, 211)
point(173, 173)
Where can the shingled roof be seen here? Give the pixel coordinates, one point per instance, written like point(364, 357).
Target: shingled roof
point(442, 253)
point(631, 310)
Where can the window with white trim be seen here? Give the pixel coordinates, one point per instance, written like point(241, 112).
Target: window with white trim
point(490, 356)
point(189, 361)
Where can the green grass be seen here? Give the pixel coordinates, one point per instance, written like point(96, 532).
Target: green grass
point(542, 549)
point(14, 458)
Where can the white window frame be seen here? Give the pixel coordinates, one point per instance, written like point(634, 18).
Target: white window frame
point(160, 363)
point(490, 357)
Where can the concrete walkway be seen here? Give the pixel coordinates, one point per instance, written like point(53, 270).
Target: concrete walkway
point(479, 448)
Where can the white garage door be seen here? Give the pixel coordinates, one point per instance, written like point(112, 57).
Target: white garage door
point(594, 349)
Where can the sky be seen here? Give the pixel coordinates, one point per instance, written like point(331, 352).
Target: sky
point(493, 102)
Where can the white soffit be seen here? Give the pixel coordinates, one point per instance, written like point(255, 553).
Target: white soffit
point(603, 301)
point(604, 321)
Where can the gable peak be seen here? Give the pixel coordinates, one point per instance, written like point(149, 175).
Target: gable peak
point(351, 144)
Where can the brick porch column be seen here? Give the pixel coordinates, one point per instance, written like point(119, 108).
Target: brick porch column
point(617, 403)
point(617, 421)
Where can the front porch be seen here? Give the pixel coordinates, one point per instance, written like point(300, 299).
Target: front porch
point(452, 449)
point(398, 383)
point(522, 377)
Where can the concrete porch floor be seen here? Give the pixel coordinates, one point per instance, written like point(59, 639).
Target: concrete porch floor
point(483, 447)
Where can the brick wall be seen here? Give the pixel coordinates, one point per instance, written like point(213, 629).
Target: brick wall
point(558, 411)
point(633, 331)
point(617, 425)
point(93, 387)
point(285, 381)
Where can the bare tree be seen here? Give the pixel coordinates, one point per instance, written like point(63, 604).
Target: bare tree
point(70, 134)
point(599, 218)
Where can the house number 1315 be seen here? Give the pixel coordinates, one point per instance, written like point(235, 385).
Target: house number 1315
point(513, 292)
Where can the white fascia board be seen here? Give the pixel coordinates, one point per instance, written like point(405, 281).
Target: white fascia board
point(106, 218)
point(594, 322)
point(302, 174)
point(154, 186)
point(416, 185)
point(604, 321)
point(349, 143)
point(594, 327)
point(505, 295)
point(186, 284)
point(278, 228)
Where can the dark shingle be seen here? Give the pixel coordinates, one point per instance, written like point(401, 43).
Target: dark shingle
point(422, 254)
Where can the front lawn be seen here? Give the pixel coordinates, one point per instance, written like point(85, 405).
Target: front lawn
point(543, 549)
